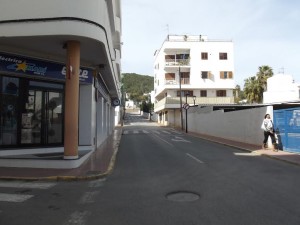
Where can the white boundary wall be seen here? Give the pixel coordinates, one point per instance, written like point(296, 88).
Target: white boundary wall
point(242, 125)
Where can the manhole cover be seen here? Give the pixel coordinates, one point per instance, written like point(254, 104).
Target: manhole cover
point(182, 196)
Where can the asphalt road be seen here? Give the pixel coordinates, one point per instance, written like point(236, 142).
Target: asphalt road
point(164, 177)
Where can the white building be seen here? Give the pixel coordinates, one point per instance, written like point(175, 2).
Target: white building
point(59, 74)
point(281, 88)
point(206, 68)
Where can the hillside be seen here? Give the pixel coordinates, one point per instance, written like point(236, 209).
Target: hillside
point(137, 85)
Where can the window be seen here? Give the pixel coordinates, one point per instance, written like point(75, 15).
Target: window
point(178, 93)
point(203, 93)
point(204, 55)
point(221, 93)
point(170, 76)
point(226, 75)
point(182, 59)
point(182, 56)
point(223, 55)
point(184, 93)
point(169, 57)
point(204, 74)
point(185, 77)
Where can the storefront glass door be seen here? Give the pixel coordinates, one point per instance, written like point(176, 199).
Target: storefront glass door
point(53, 117)
point(32, 119)
point(9, 95)
point(31, 113)
point(42, 119)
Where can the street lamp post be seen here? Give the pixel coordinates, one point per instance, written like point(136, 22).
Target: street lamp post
point(186, 123)
point(180, 96)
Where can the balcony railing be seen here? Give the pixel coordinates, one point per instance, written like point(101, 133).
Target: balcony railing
point(171, 82)
point(175, 82)
point(174, 102)
point(177, 62)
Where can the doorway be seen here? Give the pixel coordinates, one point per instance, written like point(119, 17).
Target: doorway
point(31, 113)
point(42, 118)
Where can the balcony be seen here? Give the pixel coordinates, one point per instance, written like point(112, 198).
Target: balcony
point(174, 102)
point(175, 82)
point(177, 62)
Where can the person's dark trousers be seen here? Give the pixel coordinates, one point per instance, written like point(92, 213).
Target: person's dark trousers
point(268, 134)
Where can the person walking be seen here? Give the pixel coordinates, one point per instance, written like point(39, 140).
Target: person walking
point(268, 128)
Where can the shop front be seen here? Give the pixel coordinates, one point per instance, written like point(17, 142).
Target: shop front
point(32, 95)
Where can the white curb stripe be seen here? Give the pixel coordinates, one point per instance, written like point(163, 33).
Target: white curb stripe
point(21, 184)
point(14, 197)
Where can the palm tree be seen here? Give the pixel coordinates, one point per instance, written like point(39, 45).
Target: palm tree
point(250, 89)
point(264, 72)
point(238, 94)
point(255, 86)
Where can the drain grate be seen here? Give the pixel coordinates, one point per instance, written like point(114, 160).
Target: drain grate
point(182, 196)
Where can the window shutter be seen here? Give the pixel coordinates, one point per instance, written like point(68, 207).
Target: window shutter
point(170, 76)
point(222, 74)
point(209, 75)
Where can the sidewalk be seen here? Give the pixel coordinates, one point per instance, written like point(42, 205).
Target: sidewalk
point(288, 157)
point(101, 162)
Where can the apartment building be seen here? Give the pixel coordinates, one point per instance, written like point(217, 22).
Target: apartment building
point(192, 69)
point(59, 74)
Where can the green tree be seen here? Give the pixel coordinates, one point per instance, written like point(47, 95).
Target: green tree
point(238, 94)
point(264, 72)
point(255, 86)
point(136, 86)
point(252, 90)
point(147, 106)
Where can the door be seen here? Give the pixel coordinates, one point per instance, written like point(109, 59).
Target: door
point(42, 118)
point(53, 128)
point(287, 126)
point(9, 107)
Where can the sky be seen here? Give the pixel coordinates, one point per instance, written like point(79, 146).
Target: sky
point(264, 32)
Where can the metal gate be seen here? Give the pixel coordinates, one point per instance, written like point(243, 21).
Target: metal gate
point(287, 127)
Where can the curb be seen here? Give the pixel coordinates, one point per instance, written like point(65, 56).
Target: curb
point(248, 150)
point(73, 178)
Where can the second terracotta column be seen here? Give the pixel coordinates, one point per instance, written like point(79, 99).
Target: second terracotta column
point(71, 100)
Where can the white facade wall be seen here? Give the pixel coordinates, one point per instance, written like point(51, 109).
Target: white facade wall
point(281, 88)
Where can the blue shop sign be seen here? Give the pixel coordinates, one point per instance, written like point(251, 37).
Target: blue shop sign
point(34, 67)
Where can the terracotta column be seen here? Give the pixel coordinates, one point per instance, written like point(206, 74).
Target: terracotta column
point(71, 100)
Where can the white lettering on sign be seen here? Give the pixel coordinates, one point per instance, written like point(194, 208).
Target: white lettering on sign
point(82, 73)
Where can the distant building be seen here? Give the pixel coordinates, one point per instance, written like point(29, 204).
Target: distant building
point(281, 88)
point(203, 69)
point(130, 104)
